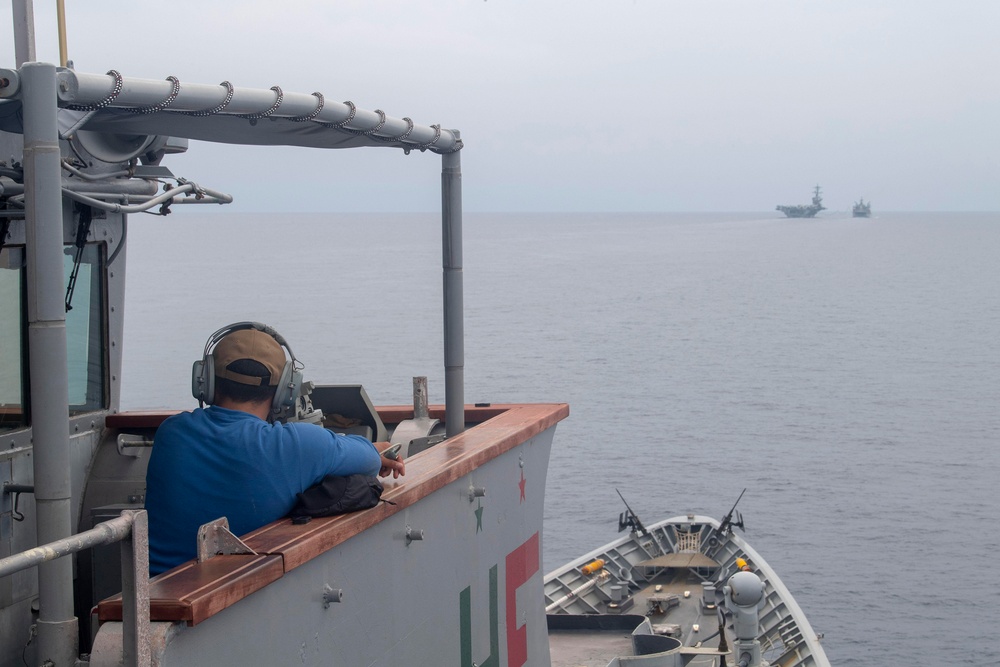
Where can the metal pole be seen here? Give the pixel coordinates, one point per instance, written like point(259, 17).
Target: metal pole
point(454, 333)
point(420, 410)
point(107, 532)
point(61, 20)
point(24, 31)
point(57, 626)
point(135, 593)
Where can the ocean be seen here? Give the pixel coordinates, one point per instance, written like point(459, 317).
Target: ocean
point(844, 371)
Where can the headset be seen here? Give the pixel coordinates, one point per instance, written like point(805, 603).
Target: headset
point(289, 385)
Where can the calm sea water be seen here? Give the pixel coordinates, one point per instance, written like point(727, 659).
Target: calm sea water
point(844, 371)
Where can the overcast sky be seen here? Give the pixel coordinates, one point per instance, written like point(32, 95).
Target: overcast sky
point(618, 105)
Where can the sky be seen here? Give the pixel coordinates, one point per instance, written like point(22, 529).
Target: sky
point(620, 105)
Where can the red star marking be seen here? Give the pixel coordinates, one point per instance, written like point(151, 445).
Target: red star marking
point(521, 484)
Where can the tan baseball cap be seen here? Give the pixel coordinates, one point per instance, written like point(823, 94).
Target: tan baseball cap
point(249, 344)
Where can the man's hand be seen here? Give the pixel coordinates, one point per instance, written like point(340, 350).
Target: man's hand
point(396, 467)
point(391, 461)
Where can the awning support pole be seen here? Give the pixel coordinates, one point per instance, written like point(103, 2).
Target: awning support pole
point(57, 626)
point(454, 332)
point(24, 31)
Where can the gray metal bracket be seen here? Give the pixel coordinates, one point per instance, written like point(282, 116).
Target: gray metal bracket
point(415, 434)
point(215, 539)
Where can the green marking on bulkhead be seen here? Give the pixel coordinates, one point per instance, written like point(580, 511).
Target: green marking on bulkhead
point(465, 631)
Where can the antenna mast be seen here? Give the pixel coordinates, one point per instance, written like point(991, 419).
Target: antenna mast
point(61, 18)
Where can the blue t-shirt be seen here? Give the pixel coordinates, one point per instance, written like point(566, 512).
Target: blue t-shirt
point(216, 462)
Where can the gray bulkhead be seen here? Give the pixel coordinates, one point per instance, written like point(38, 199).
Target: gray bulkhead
point(408, 610)
point(93, 390)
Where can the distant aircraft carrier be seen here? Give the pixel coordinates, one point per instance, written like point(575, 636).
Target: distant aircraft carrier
point(803, 210)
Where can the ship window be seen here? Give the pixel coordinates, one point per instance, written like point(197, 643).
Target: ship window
point(85, 332)
point(12, 298)
point(84, 335)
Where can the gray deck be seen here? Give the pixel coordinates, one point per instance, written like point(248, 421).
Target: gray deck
point(678, 555)
point(596, 647)
point(587, 648)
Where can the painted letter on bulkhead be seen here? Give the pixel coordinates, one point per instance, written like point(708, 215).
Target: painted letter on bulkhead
point(521, 564)
point(465, 612)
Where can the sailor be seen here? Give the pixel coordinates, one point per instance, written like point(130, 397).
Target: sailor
point(228, 460)
point(742, 565)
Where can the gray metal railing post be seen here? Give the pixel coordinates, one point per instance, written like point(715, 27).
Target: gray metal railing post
point(135, 593)
point(454, 332)
point(57, 626)
point(131, 530)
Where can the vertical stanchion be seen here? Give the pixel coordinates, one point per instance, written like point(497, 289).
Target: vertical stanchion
point(454, 332)
point(49, 397)
point(135, 593)
point(24, 31)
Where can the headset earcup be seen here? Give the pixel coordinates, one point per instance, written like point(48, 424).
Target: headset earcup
point(203, 379)
point(288, 388)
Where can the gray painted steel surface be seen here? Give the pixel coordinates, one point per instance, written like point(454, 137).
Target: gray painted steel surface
point(454, 331)
point(24, 31)
point(57, 625)
point(401, 601)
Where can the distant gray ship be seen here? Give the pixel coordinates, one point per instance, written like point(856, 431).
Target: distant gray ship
point(802, 210)
point(861, 209)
